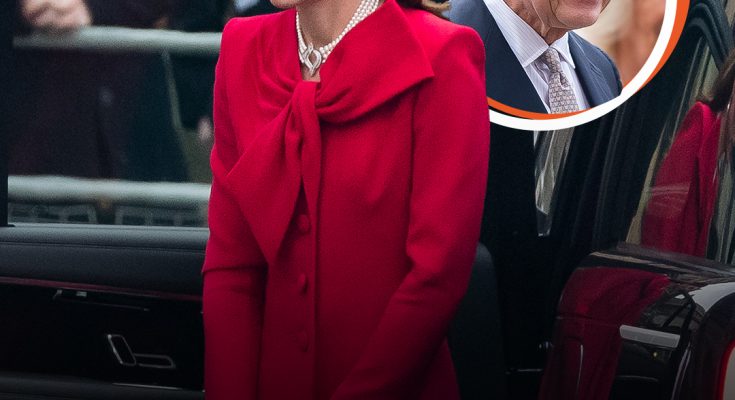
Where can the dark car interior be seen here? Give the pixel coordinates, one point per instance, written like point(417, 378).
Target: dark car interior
point(114, 312)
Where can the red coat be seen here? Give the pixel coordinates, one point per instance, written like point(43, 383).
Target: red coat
point(344, 214)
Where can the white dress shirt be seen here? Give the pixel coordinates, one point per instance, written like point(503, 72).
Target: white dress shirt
point(528, 46)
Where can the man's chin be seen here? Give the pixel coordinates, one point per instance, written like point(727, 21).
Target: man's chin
point(577, 20)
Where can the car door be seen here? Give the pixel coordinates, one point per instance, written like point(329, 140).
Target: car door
point(636, 320)
point(100, 312)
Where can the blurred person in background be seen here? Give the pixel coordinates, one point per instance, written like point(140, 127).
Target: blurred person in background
point(65, 15)
point(627, 30)
point(102, 115)
point(62, 15)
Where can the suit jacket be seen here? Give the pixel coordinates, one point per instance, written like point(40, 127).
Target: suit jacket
point(344, 214)
point(508, 83)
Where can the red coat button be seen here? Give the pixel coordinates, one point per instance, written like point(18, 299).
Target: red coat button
point(303, 283)
point(303, 223)
point(302, 340)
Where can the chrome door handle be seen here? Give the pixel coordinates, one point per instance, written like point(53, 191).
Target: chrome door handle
point(158, 361)
point(127, 358)
point(649, 336)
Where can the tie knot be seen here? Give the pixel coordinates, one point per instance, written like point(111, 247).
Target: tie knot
point(561, 94)
point(552, 60)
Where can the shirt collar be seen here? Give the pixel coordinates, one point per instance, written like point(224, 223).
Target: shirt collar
point(526, 43)
point(562, 46)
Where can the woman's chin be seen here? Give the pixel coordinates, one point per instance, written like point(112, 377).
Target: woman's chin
point(284, 4)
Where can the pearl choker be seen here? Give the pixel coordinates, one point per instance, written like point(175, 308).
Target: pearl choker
point(313, 58)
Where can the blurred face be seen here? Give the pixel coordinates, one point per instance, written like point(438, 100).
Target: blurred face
point(568, 14)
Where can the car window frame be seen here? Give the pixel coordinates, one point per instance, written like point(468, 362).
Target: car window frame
point(619, 196)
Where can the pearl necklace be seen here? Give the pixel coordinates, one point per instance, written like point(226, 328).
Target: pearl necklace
point(313, 58)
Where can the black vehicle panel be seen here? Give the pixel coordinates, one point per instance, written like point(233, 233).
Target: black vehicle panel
point(101, 312)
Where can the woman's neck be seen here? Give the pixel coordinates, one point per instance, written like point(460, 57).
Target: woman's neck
point(323, 20)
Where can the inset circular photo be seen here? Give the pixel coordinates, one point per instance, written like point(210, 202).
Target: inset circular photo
point(555, 64)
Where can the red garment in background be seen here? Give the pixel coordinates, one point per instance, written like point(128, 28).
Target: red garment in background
point(344, 214)
point(678, 215)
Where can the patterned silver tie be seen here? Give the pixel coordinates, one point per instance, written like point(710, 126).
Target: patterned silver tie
point(561, 94)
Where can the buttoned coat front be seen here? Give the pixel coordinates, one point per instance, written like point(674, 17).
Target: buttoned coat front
point(344, 214)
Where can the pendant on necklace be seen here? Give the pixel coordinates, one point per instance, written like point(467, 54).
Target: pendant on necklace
point(306, 57)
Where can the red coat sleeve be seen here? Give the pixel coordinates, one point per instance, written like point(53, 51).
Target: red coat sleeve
point(233, 270)
point(450, 162)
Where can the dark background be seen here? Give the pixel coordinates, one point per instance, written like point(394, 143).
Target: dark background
point(6, 12)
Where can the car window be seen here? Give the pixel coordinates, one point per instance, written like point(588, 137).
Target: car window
point(113, 124)
point(671, 214)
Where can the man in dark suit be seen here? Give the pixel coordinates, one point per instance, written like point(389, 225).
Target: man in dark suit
point(535, 62)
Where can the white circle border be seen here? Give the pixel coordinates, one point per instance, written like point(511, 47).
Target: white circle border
point(667, 29)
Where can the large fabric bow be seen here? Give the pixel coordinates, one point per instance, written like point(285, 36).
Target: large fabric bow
point(376, 61)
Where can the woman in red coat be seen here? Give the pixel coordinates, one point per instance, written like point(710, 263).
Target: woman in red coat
point(346, 202)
